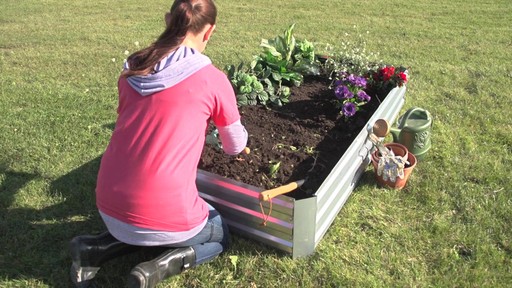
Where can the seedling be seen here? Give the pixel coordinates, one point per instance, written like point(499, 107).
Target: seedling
point(309, 150)
point(281, 146)
point(274, 168)
point(213, 139)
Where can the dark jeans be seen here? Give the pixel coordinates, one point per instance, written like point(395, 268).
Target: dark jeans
point(211, 241)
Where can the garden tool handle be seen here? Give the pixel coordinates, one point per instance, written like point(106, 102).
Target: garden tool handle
point(381, 128)
point(271, 193)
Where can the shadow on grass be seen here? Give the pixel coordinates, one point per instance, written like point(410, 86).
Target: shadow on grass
point(35, 241)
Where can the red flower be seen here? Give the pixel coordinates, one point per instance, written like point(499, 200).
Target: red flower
point(387, 72)
point(403, 77)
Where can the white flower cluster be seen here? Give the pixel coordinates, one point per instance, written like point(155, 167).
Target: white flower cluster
point(351, 56)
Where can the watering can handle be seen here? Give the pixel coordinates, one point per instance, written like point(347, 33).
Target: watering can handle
point(407, 114)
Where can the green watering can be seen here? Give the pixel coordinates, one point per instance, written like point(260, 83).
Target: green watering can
point(413, 131)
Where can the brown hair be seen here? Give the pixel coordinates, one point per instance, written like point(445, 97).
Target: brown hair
point(185, 16)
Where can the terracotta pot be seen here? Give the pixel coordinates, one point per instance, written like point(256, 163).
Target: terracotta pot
point(322, 58)
point(399, 150)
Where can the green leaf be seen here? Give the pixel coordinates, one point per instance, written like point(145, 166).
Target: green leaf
point(254, 79)
point(255, 62)
point(269, 48)
point(213, 139)
point(252, 102)
point(305, 50)
point(273, 168)
point(290, 42)
point(258, 87)
point(280, 46)
point(245, 89)
point(277, 102)
point(285, 91)
point(270, 91)
point(306, 67)
point(252, 96)
point(290, 49)
point(241, 100)
point(266, 73)
point(247, 79)
point(234, 260)
point(289, 33)
point(277, 76)
point(263, 97)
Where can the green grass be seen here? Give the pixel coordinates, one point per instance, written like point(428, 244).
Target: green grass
point(450, 227)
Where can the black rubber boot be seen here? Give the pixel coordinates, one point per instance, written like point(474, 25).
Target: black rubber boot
point(172, 262)
point(89, 252)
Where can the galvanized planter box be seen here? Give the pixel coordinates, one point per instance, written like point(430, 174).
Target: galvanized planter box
point(296, 226)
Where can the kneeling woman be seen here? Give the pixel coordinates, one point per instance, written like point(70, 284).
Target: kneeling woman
point(146, 192)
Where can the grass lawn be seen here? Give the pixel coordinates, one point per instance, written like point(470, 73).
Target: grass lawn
point(450, 227)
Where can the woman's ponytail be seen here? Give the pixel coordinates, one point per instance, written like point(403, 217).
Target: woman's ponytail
point(185, 16)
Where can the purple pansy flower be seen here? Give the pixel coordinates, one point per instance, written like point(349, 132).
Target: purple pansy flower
point(357, 81)
point(342, 92)
point(349, 90)
point(360, 82)
point(352, 79)
point(362, 96)
point(338, 91)
point(349, 109)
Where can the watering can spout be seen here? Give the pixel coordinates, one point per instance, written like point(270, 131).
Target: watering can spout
point(395, 132)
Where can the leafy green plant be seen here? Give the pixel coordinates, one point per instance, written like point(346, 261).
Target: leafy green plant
point(283, 62)
point(286, 59)
point(254, 88)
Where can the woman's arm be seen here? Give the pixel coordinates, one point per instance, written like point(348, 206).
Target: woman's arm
point(233, 138)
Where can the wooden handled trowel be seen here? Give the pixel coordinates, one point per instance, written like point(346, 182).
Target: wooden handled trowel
point(380, 129)
point(271, 193)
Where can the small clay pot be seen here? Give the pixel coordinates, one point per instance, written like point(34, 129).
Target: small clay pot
point(399, 150)
point(322, 58)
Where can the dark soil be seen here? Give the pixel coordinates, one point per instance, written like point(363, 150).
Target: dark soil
point(307, 136)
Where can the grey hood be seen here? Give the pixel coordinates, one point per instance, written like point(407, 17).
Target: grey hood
point(171, 70)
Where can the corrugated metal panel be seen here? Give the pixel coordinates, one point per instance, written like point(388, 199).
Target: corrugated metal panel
point(240, 206)
point(337, 187)
point(304, 228)
point(296, 226)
